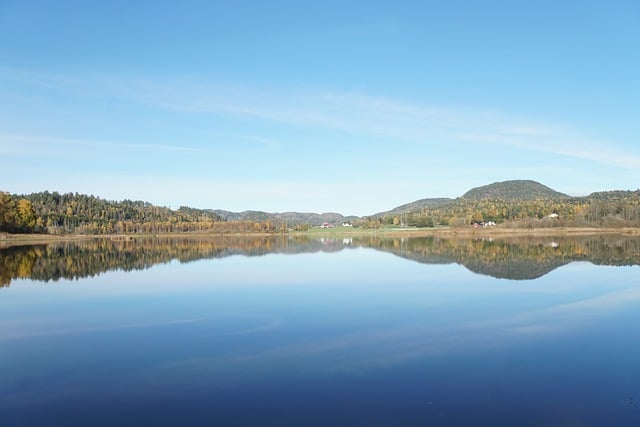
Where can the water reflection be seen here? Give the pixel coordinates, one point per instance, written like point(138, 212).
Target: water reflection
point(352, 338)
point(521, 258)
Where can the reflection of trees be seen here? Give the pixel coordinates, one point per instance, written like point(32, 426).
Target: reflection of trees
point(89, 258)
point(522, 258)
point(518, 258)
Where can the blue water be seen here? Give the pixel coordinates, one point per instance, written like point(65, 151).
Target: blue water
point(356, 337)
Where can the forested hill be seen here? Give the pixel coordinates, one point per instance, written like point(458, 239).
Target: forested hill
point(79, 213)
point(418, 205)
point(513, 190)
point(290, 218)
point(526, 203)
point(616, 195)
point(503, 191)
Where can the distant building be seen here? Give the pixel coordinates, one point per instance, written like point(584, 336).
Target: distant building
point(347, 224)
point(483, 224)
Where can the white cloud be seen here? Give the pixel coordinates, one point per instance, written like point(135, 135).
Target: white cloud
point(396, 121)
point(11, 142)
point(253, 145)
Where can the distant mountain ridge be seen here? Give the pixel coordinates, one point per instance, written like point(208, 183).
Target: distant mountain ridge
point(505, 190)
point(513, 190)
point(291, 218)
point(496, 202)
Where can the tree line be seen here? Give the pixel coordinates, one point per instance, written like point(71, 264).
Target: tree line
point(55, 213)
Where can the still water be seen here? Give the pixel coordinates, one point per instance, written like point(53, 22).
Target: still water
point(280, 331)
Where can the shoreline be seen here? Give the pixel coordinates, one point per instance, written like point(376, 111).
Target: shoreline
point(7, 239)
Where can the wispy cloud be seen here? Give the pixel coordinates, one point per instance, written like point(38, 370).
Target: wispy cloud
point(263, 142)
point(373, 118)
point(15, 144)
point(12, 142)
point(394, 121)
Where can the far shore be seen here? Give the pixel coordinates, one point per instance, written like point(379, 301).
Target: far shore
point(7, 239)
point(476, 232)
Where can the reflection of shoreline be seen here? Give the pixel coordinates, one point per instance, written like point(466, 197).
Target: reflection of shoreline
point(525, 258)
point(7, 240)
point(38, 239)
point(516, 257)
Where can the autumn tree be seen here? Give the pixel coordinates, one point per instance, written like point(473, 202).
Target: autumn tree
point(26, 215)
point(7, 212)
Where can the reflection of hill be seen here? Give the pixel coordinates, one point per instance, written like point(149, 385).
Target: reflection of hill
point(517, 259)
point(521, 269)
point(88, 258)
point(520, 258)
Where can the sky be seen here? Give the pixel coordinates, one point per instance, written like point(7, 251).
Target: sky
point(350, 107)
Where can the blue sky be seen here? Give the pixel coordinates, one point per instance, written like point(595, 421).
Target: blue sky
point(316, 106)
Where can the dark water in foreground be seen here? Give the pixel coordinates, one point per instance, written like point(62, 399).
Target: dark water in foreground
point(413, 332)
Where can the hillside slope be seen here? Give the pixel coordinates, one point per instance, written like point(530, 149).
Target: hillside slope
point(291, 218)
point(513, 190)
point(416, 206)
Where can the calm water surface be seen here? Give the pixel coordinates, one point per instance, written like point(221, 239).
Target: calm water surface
point(404, 332)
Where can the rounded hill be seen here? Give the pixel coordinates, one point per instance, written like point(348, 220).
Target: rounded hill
point(515, 190)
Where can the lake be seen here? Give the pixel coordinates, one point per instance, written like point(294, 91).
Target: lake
point(321, 332)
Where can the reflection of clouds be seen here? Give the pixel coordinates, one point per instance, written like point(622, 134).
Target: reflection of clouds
point(233, 366)
point(393, 345)
point(375, 339)
point(268, 326)
point(364, 350)
point(603, 302)
point(534, 329)
point(33, 329)
point(571, 315)
point(236, 351)
point(388, 346)
point(15, 333)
